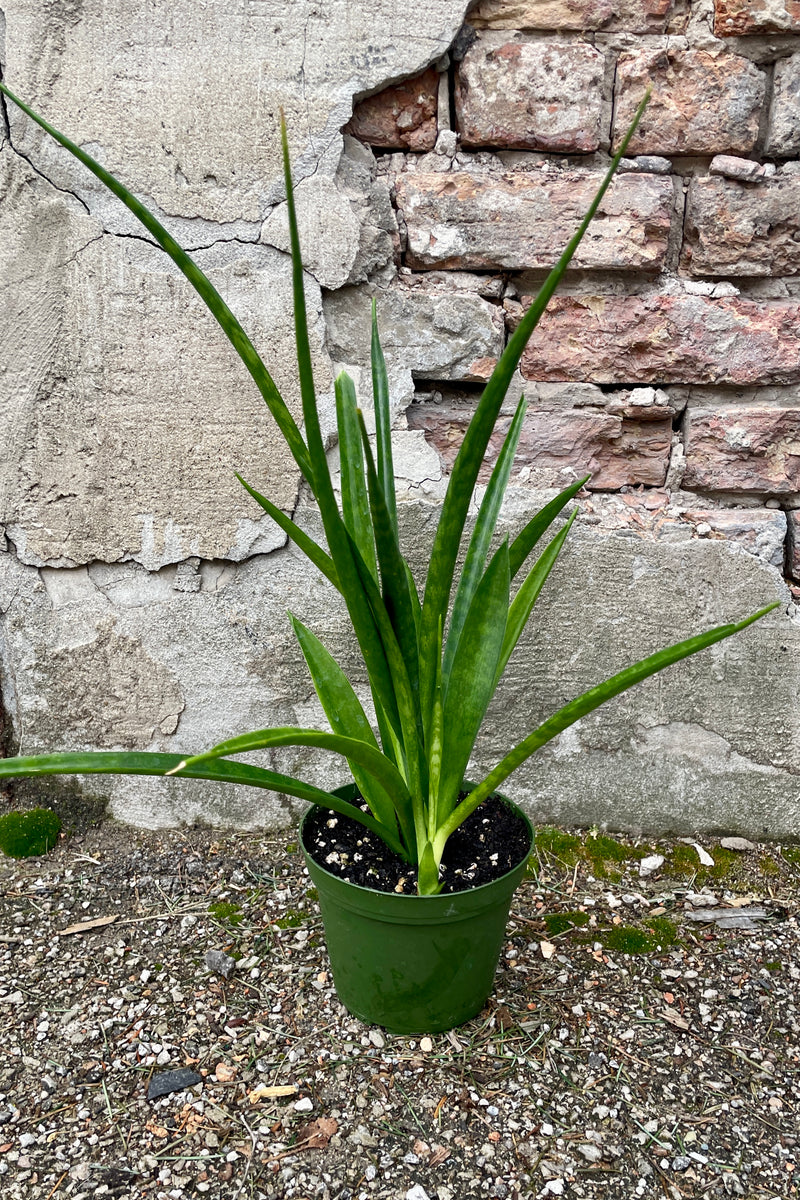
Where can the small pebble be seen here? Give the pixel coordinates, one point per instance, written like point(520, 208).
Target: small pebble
point(221, 963)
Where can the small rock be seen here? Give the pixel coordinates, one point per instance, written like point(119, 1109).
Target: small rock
point(705, 858)
point(651, 164)
point(736, 843)
point(426, 1045)
point(172, 1081)
point(681, 1163)
point(650, 864)
point(377, 1038)
point(221, 963)
point(417, 1192)
point(305, 1104)
point(591, 1153)
point(735, 168)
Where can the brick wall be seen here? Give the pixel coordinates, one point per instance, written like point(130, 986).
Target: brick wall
point(669, 363)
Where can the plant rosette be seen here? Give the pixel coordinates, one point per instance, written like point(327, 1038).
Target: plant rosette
point(433, 657)
point(414, 964)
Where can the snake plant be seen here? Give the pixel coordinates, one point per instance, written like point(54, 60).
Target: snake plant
point(433, 660)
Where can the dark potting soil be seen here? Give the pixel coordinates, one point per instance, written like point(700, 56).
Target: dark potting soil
point(489, 843)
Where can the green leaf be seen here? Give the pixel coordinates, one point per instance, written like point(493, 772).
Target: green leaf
point(383, 422)
point(347, 717)
point(113, 762)
point(470, 455)
point(586, 703)
point(392, 791)
point(322, 561)
point(202, 285)
point(321, 483)
point(522, 605)
point(355, 500)
point(539, 524)
point(405, 708)
point(482, 534)
point(428, 873)
point(469, 688)
point(394, 569)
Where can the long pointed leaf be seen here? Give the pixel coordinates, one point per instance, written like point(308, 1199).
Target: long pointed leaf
point(200, 282)
point(482, 534)
point(586, 703)
point(394, 569)
point(539, 524)
point(470, 455)
point(322, 561)
point(383, 421)
point(392, 789)
point(469, 688)
point(522, 605)
point(347, 717)
point(407, 711)
point(355, 500)
point(114, 762)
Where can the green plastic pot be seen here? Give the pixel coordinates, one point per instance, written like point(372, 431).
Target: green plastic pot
point(413, 964)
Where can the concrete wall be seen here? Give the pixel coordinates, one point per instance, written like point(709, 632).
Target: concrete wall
point(441, 168)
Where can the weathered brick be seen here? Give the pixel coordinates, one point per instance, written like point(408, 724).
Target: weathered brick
point(530, 95)
point(783, 137)
point(702, 103)
point(732, 18)
point(556, 445)
point(524, 219)
point(402, 117)
point(653, 515)
point(634, 16)
point(662, 338)
point(743, 450)
point(741, 229)
point(437, 327)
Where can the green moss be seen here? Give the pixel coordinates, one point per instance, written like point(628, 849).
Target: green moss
point(26, 834)
point(292, 920)
point(627, 939)
point(560, 922)
point(554, 843)
point(657, 934)
point(773, 966)
point(683, 861)
point(291, 847)
point(227, 912)
point(664, 931)
point(792, 855)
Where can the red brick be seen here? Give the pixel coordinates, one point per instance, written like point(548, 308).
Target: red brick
point(530, 96)
point(523, 220)
point(743, 229)
point(749, 451)
point(661, 338)
point(559, 444)
point(634, 16)
point(402, 117)
point(702, 103)
point(732, 18)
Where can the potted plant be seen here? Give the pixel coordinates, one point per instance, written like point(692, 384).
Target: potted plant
point(418, 962)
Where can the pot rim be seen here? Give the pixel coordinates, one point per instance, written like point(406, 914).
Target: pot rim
point(346, 793)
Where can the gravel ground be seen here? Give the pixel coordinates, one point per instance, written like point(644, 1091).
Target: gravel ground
point(593, 1071)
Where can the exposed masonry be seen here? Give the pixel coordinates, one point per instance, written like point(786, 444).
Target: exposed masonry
point(668, 364)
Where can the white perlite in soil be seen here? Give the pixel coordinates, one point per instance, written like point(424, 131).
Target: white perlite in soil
point(592, 1073)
